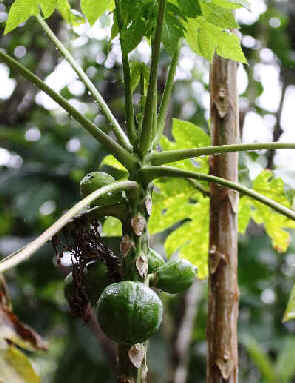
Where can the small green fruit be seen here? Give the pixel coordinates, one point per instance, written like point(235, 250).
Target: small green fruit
point(129, 312)
point(175, 276)
point(96, 180)
point(95, 280)
point(155, 260)
point(69, 288)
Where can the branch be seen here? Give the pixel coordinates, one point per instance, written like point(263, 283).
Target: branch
point(121, 136)
point(24, 253)
point(167, 94)
point(147, 137)
point(151, 172)
point(122, 154)
point(178, 155)
point(127, 81)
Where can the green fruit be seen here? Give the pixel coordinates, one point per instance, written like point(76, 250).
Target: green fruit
point(129, 312)
point(155, 260)
point(175, 276)
point(96, 279)
point(96, 180)
point(69, 288)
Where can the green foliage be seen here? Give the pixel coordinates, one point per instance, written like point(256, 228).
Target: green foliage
point(274, 223)
point(280, 371)
point(16, 367)
point(204, 24)
point(181, 203)
point(22, 10)
point(205, 38)
point(93, 9)
point(171, 194)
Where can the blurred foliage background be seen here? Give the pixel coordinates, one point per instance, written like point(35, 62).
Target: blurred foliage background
point(44, 154)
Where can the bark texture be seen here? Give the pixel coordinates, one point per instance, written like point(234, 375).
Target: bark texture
point(222, 365)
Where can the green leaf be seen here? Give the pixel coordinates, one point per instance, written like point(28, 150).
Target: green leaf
point(71, 17)
point(132, 35)
point(173, 28)
point(112, 227)
point(19, 12)
point(138, 19)
point(191, 238)
point(93, 9)
point(187, 135)
point(48, 7)
point(16, 367)
point(205, 38)
point(290, 310)
point(177, 201)
point(261, 359)
point(110, 160)
point(285, 366)
point(274, 223)
point(219, 16)
point(189, 8)
point(172, 204)
point(233, 4)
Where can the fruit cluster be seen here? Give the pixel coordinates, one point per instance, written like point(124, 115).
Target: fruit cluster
point(128, 311)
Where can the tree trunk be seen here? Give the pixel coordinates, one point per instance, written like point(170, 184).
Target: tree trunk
point(222, 365)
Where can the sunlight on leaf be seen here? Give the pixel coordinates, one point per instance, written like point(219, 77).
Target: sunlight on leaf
point(16, 367)
point(112, 227)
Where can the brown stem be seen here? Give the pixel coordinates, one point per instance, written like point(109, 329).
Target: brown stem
point(222, 365)
point(277, 131)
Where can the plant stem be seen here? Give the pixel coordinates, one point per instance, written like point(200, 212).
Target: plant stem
point(147, 136)
point(151, 172)
point(129, 110)
point(223, 288)
point(121, 136)
point(181, 154)
point(167, 94)
point(24, 253)
point(120, 153)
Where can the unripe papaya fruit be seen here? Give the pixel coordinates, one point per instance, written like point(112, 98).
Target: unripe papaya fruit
point(95, 280)
point(175, 276)
point(69, 288)
point(96, 180)
point(155, 260)
point(129, 312)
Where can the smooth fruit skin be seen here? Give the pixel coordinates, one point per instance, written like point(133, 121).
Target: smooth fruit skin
point(96, 278)
point(155, 260)
point(96, 180)
point(129, 312)
point(175, 276)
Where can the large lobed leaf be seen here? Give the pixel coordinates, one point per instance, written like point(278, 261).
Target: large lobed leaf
point(22, 10)
point(178, 203)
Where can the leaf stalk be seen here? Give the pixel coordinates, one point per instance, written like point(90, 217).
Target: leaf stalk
point(24, 253)
point(147, 134)
point(149, 173)
point(159, 158)
point(116, 149)
point(118, 131)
